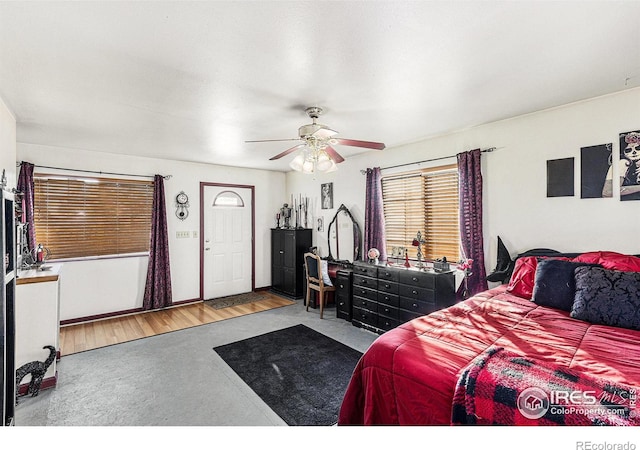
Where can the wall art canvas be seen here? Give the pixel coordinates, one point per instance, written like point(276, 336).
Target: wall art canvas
point(560, 177)
point(629, 166)
point(595, 171)
point(326, 195)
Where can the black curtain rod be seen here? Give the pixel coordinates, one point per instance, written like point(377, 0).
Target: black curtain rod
point(166, 177)
point(487, 150)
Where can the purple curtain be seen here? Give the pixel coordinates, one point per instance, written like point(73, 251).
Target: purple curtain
point(471, 239)
point(157, 291)
point(374, 236)
point(25, 186)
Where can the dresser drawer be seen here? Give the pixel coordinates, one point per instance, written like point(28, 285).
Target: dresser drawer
point(385, 273)
point(364, 316)
point(416, 293)
point(371, 294)
point(388, 299)
point(365, 303)
point(362, 281)
point(418, 279)
point(386, 324)
point(387, 286)
point(388, 311)
point(416, 306)
point(367, 270)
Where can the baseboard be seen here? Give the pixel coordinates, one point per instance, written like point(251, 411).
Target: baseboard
point(47, 383)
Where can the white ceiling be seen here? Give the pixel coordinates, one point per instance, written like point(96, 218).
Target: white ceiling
point(193, 80)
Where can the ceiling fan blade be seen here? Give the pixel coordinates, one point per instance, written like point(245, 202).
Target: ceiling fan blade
point(286, 152)
point(274, 140)
point(333, 154)
point(365, 144)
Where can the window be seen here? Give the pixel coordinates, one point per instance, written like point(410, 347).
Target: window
point(425, 201)
point(228, 198)
point(86, 217)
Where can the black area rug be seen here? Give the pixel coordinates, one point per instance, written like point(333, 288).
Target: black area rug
point(233, 300)
point(300, 373)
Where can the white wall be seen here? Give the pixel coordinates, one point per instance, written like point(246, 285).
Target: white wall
point(8, 144)
point(102, 286)
point(515, 203)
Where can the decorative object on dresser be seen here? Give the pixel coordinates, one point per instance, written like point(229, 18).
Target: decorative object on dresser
point(36, 369)
point(373, 255)
point(287, 264)
point(418, 242)
point(384, 297)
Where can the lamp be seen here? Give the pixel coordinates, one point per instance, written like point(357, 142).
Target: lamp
point(313, 158)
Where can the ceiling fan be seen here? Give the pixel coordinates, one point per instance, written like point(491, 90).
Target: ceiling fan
point(317, 140)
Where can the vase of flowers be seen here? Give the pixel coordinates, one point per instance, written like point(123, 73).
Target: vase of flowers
point(465, 265)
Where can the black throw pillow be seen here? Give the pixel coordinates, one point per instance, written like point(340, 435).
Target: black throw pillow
point(607, 297)
point(555, 283)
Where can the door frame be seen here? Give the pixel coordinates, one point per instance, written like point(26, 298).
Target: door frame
point(203, 185)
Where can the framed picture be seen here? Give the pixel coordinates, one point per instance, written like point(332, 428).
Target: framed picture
point(630, 165)
point(595, 171)
point(326, 195)
point(560, 176)
point(320, 223)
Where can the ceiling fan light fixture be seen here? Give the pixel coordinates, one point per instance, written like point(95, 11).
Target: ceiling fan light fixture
point(324, 162)
point(308, 166)
point(297, 162)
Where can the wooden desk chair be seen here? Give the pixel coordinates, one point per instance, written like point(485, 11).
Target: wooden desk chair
point(315, 281)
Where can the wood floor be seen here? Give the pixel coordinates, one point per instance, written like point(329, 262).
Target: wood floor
point(101, 333)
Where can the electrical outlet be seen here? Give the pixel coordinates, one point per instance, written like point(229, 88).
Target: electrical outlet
point(182, 234)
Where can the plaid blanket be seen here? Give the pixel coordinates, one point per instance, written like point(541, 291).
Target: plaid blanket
point(502, 388)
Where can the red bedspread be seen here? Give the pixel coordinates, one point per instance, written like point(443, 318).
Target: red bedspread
point(409, 374)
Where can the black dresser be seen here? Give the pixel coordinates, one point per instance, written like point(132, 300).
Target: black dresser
point(287, 263)
point(384, 297)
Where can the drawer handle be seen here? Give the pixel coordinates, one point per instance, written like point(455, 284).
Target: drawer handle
point(415, 292)
point(386, 297)
point(387, 285)
point(415, 279)
point(363, 292)
point(342, 286)
point(415, 305)
point(387, 310)
point(341, 303)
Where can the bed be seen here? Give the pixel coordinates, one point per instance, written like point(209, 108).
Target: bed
point(559, 343)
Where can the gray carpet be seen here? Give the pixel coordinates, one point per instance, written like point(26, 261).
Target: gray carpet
point(172, 379)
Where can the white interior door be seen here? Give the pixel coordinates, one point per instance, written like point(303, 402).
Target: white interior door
point(227, 261)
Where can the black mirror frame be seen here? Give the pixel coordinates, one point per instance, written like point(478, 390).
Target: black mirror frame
point(357, 234)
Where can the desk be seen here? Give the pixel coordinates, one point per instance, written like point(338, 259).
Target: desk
point(38, 318)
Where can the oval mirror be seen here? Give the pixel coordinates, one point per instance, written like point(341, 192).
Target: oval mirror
point(344, 237)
